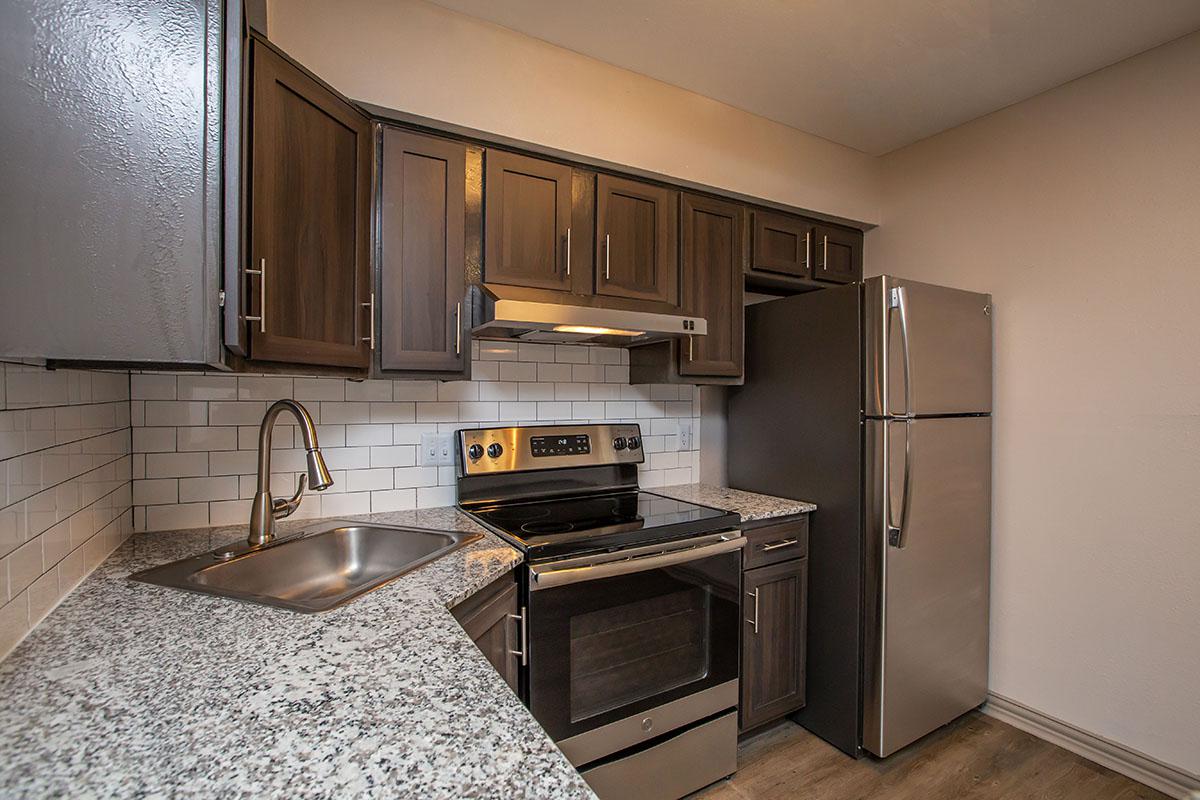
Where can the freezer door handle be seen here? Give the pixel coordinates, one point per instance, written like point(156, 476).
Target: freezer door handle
point(899, 302)
point(897, 534)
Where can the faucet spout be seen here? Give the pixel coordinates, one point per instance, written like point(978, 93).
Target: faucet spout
point(266, 509)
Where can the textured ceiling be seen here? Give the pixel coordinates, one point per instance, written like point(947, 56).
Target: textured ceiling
point(874, 75)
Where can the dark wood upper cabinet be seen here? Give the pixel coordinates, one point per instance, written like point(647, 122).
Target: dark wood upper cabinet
point(488, 618)
point(837, 254)
point(310, 205)
point(780, 244)
point(711, 267)
point(636, 254)
point(527, 219)
point(422, 255)
point(773, 647)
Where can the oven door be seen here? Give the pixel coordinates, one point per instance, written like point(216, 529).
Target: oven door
point(615, 636)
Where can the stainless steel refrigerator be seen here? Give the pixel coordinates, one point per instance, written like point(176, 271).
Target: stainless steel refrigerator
point(874, 401)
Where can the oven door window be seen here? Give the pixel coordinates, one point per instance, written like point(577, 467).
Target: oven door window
point(602, 650)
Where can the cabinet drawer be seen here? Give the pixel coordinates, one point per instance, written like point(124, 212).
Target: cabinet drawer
point(777, 542)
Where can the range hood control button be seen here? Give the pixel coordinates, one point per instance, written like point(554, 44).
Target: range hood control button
point(634, 443)
point(494, 450)
point(619, 443)
point(475, 451)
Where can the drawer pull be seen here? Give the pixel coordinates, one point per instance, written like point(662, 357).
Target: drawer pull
point(776, 545)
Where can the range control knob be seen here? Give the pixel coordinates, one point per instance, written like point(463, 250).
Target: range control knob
point(634, 443)
point(619, 443)
point(475, 451)
point(494, 449)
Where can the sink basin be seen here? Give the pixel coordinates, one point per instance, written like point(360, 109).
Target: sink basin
point(310, 571)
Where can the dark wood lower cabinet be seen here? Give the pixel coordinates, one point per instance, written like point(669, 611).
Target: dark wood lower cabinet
point(773, 633)
point(488, 618)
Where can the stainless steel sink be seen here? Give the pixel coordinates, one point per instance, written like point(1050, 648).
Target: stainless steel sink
point(312, 570)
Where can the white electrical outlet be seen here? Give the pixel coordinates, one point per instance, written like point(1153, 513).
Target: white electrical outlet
point(685, 435)
point(437, 450)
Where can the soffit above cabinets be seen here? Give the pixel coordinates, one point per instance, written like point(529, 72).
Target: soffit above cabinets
point(873, 75)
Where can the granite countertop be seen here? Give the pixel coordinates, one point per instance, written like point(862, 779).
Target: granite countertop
point(129, 689)
point(750, 505)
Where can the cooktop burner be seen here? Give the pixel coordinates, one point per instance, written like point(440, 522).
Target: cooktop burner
point(592, 523)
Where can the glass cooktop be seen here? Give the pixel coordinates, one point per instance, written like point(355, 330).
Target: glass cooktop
point(577, 525)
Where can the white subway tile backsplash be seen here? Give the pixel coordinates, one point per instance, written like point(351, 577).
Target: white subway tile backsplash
point(176, 412)
point(263, 387)
point(554, 372)
point(369, 430)
point(367, 391)
point(367, 435)
point(151, 387)
point(393, 412)
point(518, 371)
point(206, 387)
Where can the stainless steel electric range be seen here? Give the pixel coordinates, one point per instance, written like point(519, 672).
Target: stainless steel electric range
point(630, 605)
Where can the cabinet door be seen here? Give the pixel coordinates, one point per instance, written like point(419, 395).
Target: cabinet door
point(527, 216)
point(773, 633)
point(781, 244)
point(838, 253)
point(309, 274)
point(485, 616)
point(636, 240)
point(711, 269)
point(422, 255)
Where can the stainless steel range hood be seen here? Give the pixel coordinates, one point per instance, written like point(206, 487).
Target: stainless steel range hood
point(533, 315)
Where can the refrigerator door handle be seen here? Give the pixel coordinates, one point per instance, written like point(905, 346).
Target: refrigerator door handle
point(897, 535)
point(899, 301)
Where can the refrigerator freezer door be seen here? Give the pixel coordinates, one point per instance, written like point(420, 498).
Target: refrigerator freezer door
point(928, 349)
point(927, 596)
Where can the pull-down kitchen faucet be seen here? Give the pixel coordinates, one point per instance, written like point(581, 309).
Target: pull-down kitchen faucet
point(266, 509)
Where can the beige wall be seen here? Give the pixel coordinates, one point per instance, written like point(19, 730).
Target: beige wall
point(1079, 210)
point(422, 59)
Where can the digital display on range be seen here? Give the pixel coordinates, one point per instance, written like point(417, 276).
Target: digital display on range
point(574, 445)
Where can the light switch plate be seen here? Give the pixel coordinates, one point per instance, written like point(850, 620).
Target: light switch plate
point(437, 450)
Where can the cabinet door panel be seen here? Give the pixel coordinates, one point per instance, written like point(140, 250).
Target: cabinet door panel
point(487, 618)
point(309, 221)
point(838, 254)
point(422, 252)
point(773, 655)
point(527, 214)
point(711, 271)
point(636, 240)
point(781, 244)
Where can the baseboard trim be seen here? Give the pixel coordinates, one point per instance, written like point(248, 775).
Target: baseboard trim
point(1117, 757)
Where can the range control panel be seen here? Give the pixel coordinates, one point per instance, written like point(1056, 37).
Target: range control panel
point(575, 444)
point(520, 449)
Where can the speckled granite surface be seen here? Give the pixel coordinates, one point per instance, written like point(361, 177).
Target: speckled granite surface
point(132, 690)
point(750, 505)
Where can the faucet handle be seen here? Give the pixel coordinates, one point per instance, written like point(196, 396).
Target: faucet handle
point(285, 508)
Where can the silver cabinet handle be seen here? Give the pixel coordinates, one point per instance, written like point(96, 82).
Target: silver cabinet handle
point(825, 255)
point(807, 247)
point(691, 347)
point(568, 252)
point(371, 308)
point(261, 319)
point(522, 637)
point(606, 252)
point(458, 328)
point(766, 548)
point(754, 621)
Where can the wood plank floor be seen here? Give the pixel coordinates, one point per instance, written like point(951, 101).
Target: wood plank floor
point(976, 757)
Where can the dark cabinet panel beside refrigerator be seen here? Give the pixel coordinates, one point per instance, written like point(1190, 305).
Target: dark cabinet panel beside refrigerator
point(873, 400)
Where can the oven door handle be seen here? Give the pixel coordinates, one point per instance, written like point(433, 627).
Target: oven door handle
point(547, 576)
